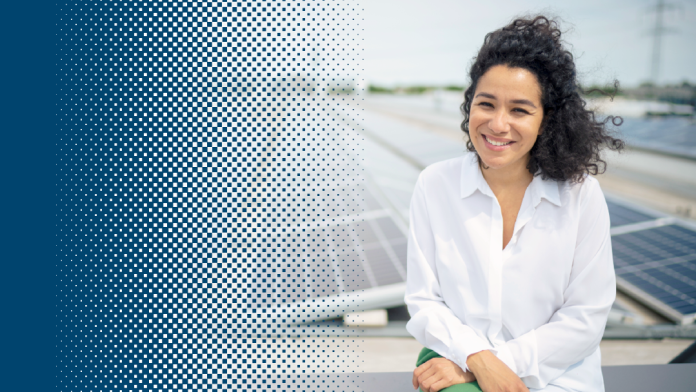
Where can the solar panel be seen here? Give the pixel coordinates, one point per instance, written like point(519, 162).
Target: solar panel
point(658, 265)
point(621, 215)
point(670, 135)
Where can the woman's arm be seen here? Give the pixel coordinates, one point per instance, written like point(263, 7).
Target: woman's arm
point(432, 323)
point(575, 330)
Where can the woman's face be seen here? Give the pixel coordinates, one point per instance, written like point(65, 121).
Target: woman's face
point(505, 117)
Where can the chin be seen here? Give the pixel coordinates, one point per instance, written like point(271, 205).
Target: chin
point(493, 162)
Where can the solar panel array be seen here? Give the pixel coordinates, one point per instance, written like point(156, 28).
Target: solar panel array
point(364, 251)
point(671, 135)
point(655, 258)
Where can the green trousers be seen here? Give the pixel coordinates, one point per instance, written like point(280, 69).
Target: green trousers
point(427, 354)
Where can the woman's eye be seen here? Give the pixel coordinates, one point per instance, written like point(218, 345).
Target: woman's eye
point(488, 104)
point(520, 110)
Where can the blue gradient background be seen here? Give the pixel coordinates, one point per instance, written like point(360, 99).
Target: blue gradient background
point(140, 139)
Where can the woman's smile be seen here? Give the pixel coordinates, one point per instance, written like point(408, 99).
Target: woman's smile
point(496, 144)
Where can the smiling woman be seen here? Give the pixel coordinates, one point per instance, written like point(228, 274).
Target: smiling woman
point(510, 272)
point(543, 71)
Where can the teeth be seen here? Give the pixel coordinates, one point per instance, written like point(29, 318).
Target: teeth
point(496, 143)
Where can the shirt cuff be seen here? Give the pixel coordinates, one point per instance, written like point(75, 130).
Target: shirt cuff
point(459, 354)
point(520, 355)
point(503, 353)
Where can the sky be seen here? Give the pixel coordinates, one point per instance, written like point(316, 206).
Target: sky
point(432, 42)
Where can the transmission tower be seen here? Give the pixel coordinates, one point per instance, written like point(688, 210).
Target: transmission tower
point(657, 33)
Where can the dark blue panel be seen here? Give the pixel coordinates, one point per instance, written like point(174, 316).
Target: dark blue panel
point(682, 268)
point(29, 234)
point(671, 135)
point(690, 309)
point(665, 296)
point(655, 244)
point(674, 247)
point(651, 289)
point(631, 278)
point(626, 254)
point(620, 215)
point(681, 305)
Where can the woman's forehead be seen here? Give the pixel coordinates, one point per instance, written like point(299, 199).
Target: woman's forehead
point(501, 79)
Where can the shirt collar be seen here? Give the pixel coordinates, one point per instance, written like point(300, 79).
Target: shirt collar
point(545, 189)
point(472, 179)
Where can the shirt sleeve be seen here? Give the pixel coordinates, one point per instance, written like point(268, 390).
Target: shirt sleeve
point(575, 330)
point(432, 322)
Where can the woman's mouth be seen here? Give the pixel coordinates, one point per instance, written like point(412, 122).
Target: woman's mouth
point(495, 143)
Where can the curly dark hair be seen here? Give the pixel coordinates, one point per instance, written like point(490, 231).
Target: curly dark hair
point(570, 144)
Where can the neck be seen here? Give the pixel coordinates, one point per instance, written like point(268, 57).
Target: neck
point(509, 176)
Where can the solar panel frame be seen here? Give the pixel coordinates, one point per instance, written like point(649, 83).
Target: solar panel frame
point(660, 282)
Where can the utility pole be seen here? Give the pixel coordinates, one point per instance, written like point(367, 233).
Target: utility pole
point(657, 39)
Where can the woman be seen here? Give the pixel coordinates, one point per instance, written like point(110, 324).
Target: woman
point(510, 271)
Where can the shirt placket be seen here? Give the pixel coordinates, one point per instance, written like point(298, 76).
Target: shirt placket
point(495, 272)
point(497, 261)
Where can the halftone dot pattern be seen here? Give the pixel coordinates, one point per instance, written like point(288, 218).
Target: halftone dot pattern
point(209, 181)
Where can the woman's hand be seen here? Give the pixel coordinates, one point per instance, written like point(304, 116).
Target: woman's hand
point(439, 373)
point(493, 375)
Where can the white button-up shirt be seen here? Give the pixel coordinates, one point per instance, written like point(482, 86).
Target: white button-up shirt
point(541, 304)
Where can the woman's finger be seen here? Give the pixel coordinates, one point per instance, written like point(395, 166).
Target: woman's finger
point(428, 382)
point(429, 372)
point(416, 373)
point(439, 385)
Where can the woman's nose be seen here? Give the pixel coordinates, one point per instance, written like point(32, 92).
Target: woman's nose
point(500, 123)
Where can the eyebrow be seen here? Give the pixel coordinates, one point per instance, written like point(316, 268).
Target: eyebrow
point(517, 101)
